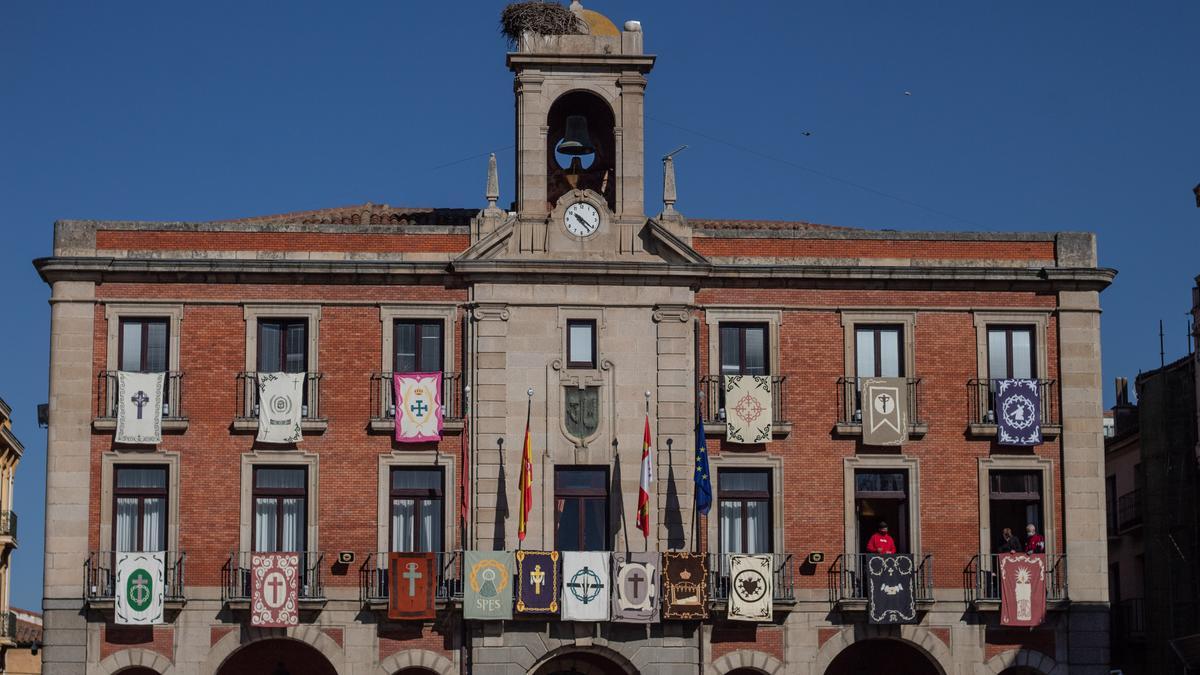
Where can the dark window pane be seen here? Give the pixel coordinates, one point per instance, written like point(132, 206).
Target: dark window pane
point(296, 348)
point(288, 478)
point(569, 537)
point(406, 347)
point(156, 346)
point(592, 480)
point(131, 346)
point(431, 348)
point(756, 351)
point(731, 360)
point(421, 480)
point(595, 525)
point(744, 481)
point(283, 346)
point(881, 481)
point(270, 345)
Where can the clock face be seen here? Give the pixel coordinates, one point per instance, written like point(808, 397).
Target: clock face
point(582, 219)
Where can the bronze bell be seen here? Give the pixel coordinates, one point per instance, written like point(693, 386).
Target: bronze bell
point(576, 140)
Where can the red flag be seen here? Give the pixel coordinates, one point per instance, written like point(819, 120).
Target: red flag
point(643, 508)
point(526, 479)
point(1023, 589)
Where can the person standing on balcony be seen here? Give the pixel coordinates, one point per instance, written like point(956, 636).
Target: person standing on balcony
point(1009, 542)
point(1034, 542)
point(881, 543)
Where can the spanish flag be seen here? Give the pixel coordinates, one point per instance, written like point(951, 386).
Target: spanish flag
point(526, 479)
point(643, 508)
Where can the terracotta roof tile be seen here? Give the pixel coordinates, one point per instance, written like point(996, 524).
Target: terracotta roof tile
point(368, 214)
point(789, 225)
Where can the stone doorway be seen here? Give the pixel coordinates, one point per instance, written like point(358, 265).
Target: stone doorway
point(276, 657)
point(581, 663)
point(869, 657)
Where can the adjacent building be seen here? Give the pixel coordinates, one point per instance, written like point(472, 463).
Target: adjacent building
point(10, 456)
point(580, 313)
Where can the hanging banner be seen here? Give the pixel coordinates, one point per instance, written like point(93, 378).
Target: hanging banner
point(1022, 589)
point(140, 586)
point(275, 594)
point(748, 411)
point(280, 407)
point(139, 407)
point(635, 587)
point(885, 410)
point(1018, 412)
point(890, 594)
point(418, 407)
point(585, 594)
point(751, 581)
point(412, 580)
point(537, 582)
point(685, 585)
point(488, 593)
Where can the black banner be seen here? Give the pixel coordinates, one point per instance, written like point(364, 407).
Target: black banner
point(890, 589)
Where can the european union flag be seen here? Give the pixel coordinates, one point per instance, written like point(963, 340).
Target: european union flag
point(703, 481)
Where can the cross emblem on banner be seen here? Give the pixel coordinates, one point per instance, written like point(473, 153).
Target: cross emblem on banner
point(412, 575)
point(274, 586)
point(140, 399)
point(636, 580)
point(419, 408)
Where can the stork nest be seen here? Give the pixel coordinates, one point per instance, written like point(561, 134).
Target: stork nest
point(541, 17)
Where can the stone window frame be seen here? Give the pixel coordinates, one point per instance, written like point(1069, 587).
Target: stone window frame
point(851, 319)
point(114, 312)
point(250, 460)
point(872, 462)
point(584, 313)
point(108, 464)
point(1016, 463)
point(718, 463)
point(416, 460)
point(388, 314)
point(1039, 321)
point(251, 313)
point(714, 317)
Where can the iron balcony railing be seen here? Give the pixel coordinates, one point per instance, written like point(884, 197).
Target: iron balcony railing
point(99, 575)
point(106, 395)
point(713, 391)
point(783, 586)
point(237, 584)
point(847, 578)
point(373, 577)
point(981, 578)
point(850, 400)
point(1129, 510)
point(8, 524)
point(1129, 619)
point(383, 397)
point(981, 404)
point(247, 396)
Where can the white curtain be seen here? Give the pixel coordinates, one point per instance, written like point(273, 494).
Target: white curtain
point(731, 527)
point(127, 508)
point(154, 516)
point(1022, 355)
point(293, 524)
point(403, 524)
point(758, 537)
point(265, 533)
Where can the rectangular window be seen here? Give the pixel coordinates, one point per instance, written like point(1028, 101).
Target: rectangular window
point(419, 347)
point(140, 505)
point(280, 508)
point(581, 509)
point(879, 351)
point(744, 349)
point(282, 345)
point(417, 509)
point(581, 343)
point(745, 510)
point(881, 496)
point(144, 346)
point(1015, 501)
point(1011, 352)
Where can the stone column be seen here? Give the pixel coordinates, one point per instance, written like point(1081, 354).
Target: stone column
point(72, 315)
point(676, 415)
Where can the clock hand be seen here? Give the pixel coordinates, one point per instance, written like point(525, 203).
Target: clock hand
point(581, 220)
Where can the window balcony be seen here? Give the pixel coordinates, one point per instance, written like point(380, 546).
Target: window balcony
point(246, 418)
point(981, 408)
point(1129, 511)
point(373, 579)
point(237, 585)
point(99, 575)
point(850, 420)
point(1129, 620)
point(848, 587)
point(8, 528)
point(981, 581)
point(713, 406)
point(383, 402)
point(174, 418)
point(783, 585)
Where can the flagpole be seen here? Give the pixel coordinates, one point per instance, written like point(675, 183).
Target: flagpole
point(695, 488)
point(649, 460)
point(624, 514)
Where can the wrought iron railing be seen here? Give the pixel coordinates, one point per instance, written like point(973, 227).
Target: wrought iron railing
point(373, 577)
point(981, 403)
point(850, 400)
point(847, 577)
point(981, 578)
point(247, 396)
point(713, 392)
point(237, 583)
point(1129, 510)
point(106, 395)
point(783, 583)
point(1129, 619)
point(99, 575)
point(8, 524)
point(383, 397)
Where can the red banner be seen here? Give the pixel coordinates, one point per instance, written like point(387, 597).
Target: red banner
point(275, 599)
point(411, 584)
point(1022, 589)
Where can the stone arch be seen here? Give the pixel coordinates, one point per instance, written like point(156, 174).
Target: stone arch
point(594, 651)
point(416, 658)
point(309, 635)
point(748, 660)
point(135, 658)
point(917, 637)
point(1028, 658)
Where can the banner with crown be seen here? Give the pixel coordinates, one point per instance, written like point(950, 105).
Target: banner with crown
point(418, 407)
point(685, 585)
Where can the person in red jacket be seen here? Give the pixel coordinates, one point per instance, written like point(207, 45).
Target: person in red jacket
point(1034, 542)
point(881, 543)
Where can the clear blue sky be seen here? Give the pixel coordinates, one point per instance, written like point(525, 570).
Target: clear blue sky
point(1022, 116)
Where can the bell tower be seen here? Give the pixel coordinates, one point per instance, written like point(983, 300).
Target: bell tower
point(580, 134)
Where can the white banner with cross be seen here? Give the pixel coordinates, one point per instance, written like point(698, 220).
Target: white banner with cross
point(139, 407)
point(140, 588)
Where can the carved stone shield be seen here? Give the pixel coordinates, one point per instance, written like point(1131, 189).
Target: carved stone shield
point(583, 411)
